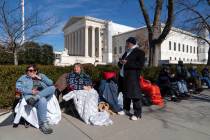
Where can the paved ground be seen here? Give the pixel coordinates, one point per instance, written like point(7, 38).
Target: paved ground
point(188, 120)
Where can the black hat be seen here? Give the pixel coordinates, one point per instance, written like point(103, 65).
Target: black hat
point(131, 40)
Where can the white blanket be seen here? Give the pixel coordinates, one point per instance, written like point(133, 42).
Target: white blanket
point(30, 113)
point(86, 103)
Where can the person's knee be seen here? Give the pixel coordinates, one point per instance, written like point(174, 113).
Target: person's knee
point(41, 103)
point(52, 89)
point(42, 100)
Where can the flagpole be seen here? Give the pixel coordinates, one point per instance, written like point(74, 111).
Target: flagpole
point(23, 21)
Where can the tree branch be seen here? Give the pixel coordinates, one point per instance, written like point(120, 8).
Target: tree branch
point(168, 24)
point(157, 14)
point(146, 16)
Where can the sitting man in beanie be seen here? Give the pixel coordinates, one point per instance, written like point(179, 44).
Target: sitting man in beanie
point(131, 64)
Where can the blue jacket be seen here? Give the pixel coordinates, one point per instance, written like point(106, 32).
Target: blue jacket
point(25, 84)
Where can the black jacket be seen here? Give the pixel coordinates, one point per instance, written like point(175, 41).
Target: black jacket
point(130, 83)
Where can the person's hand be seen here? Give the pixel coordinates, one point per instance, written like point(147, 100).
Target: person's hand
point(121, 61)
point(36, 77)
point(124, 61)
point(172, 75)
point(35, 91)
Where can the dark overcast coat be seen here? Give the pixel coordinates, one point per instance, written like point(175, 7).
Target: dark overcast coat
point(130, 82)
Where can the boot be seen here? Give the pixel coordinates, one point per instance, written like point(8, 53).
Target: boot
point(45, 128)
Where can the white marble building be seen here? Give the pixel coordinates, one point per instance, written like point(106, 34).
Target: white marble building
point(88, 40)
point(179, 45)
point(97, 41)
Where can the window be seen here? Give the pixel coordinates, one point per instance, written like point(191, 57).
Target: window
point(190, 49)
point(115, 50)
point(169, 45)
point(184, 59)
point(180, 59)
point(174, 46)
point(194, 50)
point(170, 58)
point(179, 48)
point(183, 47)
point(187, 48)
point(175, 58)
point(120, 51)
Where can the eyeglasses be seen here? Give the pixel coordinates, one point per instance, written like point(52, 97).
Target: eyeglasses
point(31, 70)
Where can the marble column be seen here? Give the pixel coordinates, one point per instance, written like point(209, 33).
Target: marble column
point(72, 43)
point(93, 42)
point(86, 41)
point(99, 45)
point(78, 43)
point(68, 44)
point(71, 38)
point(65, 42)
point(83, 41)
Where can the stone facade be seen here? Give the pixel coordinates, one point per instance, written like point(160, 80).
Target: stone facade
point(88, 40)
point(178, 45)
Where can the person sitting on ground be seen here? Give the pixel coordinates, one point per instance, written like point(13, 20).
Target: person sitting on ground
point(206, 76)
point(78, 80)
point(85, 97)
point(108, 91)
point(182, 75)
point(194, 80)
point(37, 89)
point(164, 82)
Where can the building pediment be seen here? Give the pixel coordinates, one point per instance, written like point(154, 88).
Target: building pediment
point(72, 21)
point(75, 19)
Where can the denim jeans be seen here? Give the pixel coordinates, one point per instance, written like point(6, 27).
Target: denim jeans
point(41, 104)
point(182, 85)
point(47, 92)
point(206, 80)
point(108, 91)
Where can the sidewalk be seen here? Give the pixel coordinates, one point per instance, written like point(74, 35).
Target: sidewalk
point(188, 120)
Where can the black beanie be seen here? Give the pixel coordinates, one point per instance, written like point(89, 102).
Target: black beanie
point(131, 40)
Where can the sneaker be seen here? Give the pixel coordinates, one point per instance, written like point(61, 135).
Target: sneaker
point(121, 113)
point(134, 118)
point(45, 128)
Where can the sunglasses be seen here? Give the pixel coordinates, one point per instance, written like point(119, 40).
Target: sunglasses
point(31, 70)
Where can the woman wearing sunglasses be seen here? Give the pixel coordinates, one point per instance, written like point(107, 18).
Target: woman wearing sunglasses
point(37, 89)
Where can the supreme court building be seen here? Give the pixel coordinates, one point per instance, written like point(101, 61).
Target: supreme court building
point(88, 40)
point(97, 41)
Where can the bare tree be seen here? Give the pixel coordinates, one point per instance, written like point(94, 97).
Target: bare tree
point(196, 18)
point(155, 35)
point(11, 27)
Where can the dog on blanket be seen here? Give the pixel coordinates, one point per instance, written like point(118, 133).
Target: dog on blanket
point(103, 106)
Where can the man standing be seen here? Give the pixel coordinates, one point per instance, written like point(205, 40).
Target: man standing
point(131, 65)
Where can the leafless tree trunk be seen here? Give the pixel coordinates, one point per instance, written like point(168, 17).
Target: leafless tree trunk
point(155, 35)
point(11, 28)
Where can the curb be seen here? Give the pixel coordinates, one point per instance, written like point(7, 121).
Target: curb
point(5, 115)
point(5, 112)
